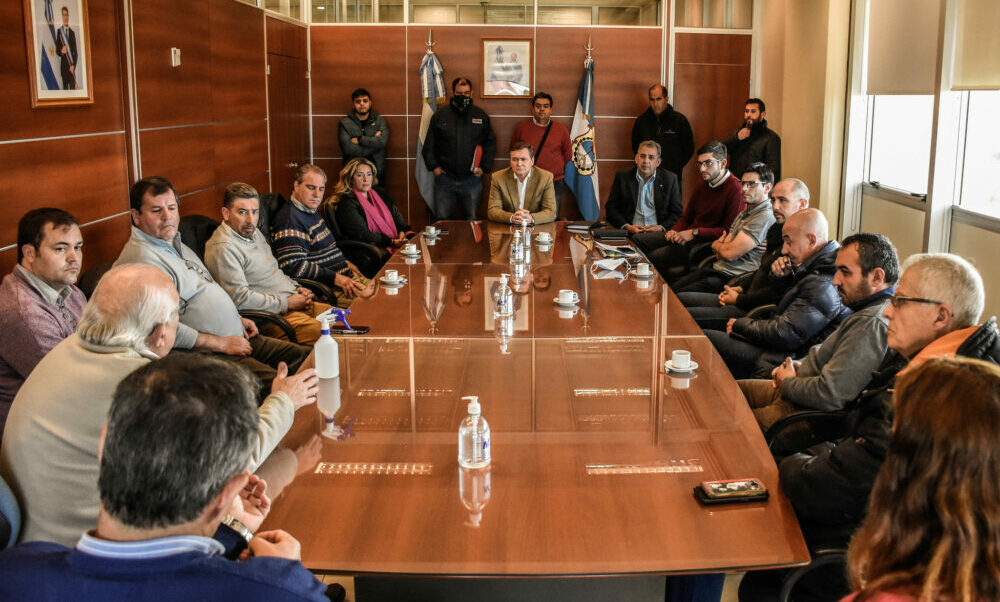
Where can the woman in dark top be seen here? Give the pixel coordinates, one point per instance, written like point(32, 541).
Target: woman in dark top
point(366, 213)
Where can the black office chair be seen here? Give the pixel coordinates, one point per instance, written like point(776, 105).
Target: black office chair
point(90, 278)
point(696, 258)
point(195, 231)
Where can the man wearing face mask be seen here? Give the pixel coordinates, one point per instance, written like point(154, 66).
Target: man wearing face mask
point(459, 148)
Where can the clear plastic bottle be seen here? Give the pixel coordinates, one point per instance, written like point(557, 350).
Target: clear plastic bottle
point(473, 437)
point(327, 352)
point(475, 490)
point(517, 247)
point(503, 299)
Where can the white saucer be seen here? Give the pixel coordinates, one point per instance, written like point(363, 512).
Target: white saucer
point(669, 367)
point(570, 304)
point(405, 254)
point(648, 276)
point(399, 282)
point(544, 243)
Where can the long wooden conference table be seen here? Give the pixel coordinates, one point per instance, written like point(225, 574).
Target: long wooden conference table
point(595, 449)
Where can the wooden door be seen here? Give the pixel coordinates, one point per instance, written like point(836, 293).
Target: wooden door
point(288, 112)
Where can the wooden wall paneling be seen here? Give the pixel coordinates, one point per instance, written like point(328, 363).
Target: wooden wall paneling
point(203, 202)
point(8, 259)
point(239, 149)
point(20, 121)
point(172, 95)
point(85, 176)
point(183, 155)
point(286, 38)
point(288, 118)
point(103, 240)
point(237, 61)
point(337, 71)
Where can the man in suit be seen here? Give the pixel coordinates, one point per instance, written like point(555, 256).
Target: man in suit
point(522, 193)
point(645, 198)
point(66, 49)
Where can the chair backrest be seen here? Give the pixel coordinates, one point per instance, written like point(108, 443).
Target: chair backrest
point(10, 516)
point(269, 205)
point(328, 210)
point(90, 278)
point(195, 231)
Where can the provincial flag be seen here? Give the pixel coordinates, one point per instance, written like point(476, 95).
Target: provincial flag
point(432, 91)
point(581, 170)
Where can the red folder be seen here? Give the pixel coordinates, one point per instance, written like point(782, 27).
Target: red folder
point(477, 157)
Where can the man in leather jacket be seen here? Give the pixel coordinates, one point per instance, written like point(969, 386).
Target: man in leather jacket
point(754, 142)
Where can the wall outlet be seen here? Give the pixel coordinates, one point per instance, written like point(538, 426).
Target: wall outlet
point(175, 57)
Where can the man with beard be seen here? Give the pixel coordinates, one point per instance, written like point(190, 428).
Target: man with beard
point(835, 371)
point(754, 142)
point(459, 148)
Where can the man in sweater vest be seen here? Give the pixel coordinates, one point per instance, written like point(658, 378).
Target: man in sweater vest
point(39, 304)
point(306, 248)
point(239, 257)
point(177, 503)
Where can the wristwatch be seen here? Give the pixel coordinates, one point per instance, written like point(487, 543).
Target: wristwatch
point(233, 523)
point(694, 231)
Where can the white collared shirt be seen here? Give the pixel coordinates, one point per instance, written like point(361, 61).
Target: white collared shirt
point(522, 188)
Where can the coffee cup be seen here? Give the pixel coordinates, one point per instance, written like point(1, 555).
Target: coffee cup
point(680, 359)
point(566, 314)
point(391, 290)
point(410, 248)
point(680, 383)
point(543, 238)
point(391, 276)
point(643, 285)
point(567, 296)
point(642, 269)
point(431, 230)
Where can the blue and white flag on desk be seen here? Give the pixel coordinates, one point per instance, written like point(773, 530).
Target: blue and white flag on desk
point(581, 170)
point(432, 92)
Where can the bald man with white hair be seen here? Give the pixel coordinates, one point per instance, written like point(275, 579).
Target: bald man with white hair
point(49, 455)
point(808, 311)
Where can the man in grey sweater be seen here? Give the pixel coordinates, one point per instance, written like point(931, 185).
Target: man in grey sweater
point(209, 320)
point(240, 258)
point(837, 370)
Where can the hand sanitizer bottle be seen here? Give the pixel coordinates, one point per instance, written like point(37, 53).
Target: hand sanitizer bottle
point(473, 438)
point(327, 352)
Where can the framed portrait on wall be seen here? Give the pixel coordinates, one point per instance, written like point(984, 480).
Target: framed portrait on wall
point(506, 68)
point(57, 35)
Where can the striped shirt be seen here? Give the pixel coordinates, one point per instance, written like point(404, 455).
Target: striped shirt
point(304, 245)
point(149, 548)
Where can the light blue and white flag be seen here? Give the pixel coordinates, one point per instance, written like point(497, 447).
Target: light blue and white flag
point(581, 170)
point(432, 91)
point(48, 73)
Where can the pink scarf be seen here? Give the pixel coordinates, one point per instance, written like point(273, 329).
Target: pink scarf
point(377, 214)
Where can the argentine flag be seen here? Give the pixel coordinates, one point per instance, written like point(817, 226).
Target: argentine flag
point(581, 170)
point(432, 92)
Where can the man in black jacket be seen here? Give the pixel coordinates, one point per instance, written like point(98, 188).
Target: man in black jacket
point(806, 313)
point(645, 198)
point(754, 142)
point(459, 148)
point(669, 128)
point(712, 311)
point(934, 312)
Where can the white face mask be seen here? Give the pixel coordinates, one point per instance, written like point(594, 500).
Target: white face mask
point(607, 268)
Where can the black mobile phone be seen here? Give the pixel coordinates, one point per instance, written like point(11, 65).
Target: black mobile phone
point(731, 491)
point(355, 330)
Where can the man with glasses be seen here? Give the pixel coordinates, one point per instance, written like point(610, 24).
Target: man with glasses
point(669, 128)
point(738, 251)
point(808, 312)
point(934, 312)
point(708, 214)
point(209, 320)
point(459, 149)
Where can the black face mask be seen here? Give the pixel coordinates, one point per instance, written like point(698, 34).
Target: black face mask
point(461, 103)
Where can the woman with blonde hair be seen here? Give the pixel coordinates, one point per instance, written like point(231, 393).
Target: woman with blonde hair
point(932, 532)
point(366, 213)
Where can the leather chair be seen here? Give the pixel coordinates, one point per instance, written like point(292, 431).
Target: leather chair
point(195, 231)
point(89, 279)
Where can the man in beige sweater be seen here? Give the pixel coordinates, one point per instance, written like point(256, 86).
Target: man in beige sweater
point(49, 453)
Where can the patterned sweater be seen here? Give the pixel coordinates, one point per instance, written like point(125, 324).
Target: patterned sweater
point(304, 246)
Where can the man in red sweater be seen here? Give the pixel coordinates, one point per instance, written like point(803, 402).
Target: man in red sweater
point(707, 215)
point(556, 150)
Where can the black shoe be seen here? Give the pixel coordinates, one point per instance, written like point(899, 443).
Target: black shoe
point(336, 592)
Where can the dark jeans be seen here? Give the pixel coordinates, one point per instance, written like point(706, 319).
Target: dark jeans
point(450, 191)
point(705, 280)
point(744, 359)
point(650, 241)
point(669, 255)
point(706, 311)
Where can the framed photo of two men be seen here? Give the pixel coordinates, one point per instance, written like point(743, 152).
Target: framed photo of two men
point(507, 68)
point(57, 37)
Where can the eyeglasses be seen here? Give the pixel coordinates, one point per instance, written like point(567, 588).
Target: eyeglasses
point(707, 163)
point(898, 300)
point(198, 270)
point(751, 183)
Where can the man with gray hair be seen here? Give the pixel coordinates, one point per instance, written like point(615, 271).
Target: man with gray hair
point(49, 454)
point(646, 197)
point(933, 313)
point(172, 475)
